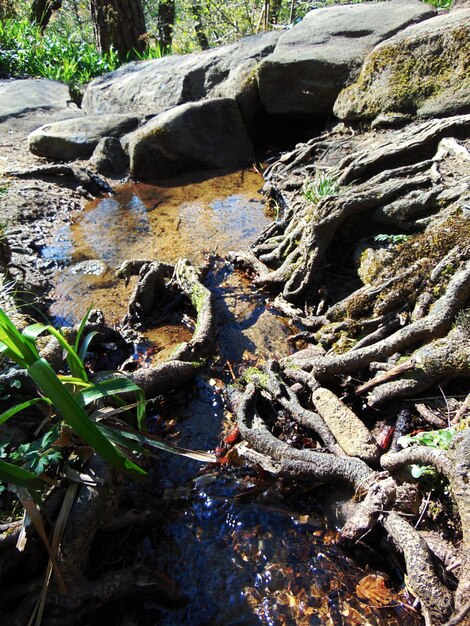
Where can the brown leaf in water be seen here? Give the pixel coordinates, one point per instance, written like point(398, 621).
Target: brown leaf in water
point(373, 588)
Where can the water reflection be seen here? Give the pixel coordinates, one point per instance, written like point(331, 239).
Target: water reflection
point(145, 221)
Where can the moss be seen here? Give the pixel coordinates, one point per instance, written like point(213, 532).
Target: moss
point(344, 343)
point(255, 375)
point(251, 78)
point(401, 75)
point(198, 297)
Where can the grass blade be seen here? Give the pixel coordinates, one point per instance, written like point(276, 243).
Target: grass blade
point(31, 509)
point(48, 381)
point(76, 366)
point(19, 407)
point(111, 387)
point(14, 475)
point(156, 442)
point(15, 346)
point(81, 328)
point(86, 342)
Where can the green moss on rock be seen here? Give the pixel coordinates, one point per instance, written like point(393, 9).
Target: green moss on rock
point(408, 73)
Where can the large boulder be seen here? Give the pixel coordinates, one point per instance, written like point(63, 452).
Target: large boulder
point(21, 96)
point(77, 138)
point(36, 101)
point(198, 135)
point(149, 87)
point(316, 58)
point(423, 70)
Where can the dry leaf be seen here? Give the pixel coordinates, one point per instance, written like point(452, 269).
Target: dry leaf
point(373, 589)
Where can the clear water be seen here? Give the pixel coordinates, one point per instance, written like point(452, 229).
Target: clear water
point(239, 547)
point(181, 220)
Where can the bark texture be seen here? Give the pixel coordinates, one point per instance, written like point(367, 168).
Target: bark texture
point(119, 24)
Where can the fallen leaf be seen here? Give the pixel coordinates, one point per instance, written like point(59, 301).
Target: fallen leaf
point(373, 588)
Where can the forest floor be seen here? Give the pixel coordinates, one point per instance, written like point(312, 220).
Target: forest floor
point(369, 255)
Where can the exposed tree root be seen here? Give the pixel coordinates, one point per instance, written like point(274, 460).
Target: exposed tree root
point(86, 180)
point(380, 495)
point(405, 330)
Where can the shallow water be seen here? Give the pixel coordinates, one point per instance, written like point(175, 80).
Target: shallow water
point(179, 220)
point(243, 549)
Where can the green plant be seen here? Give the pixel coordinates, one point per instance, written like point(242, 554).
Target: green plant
point(68, 394)
point(440, 4)
point(24, 51)
point(392, 238)
point(72, 398)
point(36, 456)
point(322, 186)
point(440, 439)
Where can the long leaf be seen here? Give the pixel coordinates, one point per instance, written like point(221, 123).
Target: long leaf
point(81, 328)
point(19, 407)
point(32, 510)
point(15, 346)
point(111, 387)
point(48, 381)
point(86, 342)
point(122, 436)
point(75, 364)
point(18, 476)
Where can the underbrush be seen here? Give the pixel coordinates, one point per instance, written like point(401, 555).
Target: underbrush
point(24, 52)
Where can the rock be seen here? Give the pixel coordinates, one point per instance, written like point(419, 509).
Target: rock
point(109, 156)
point(90, 267)
point(348, 430)
point(149, 87)
point(423, 70)
point(391, 120)
point(370, 262)
point(316, 58)
point(20, 97)
point(76, 139)
point(197, 135)
point(460, 4)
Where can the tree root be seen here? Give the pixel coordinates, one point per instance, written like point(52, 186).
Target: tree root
point(435, 324)
point(383, 499)
point(149, 290)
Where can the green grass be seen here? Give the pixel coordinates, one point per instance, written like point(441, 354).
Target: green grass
point(322, 186)
point(56, 55)
point(24, 52)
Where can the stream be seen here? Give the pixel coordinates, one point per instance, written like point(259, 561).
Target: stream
point(243, 548)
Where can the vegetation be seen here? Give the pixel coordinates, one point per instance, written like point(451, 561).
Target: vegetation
point(66, 48)
point(322, 186)
point(24, 51)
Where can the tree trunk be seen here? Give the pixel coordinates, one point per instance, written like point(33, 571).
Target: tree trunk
point(275, 10)
point(200, 34)
point(41, 11)
point(166, 21)
point(119, 24)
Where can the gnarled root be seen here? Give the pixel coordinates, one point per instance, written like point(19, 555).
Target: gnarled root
point(455, 466)
point(383, 500)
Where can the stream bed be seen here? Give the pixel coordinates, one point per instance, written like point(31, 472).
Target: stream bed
point(232, 545)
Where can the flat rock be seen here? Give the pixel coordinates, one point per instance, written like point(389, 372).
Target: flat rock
point(348, 430)
point(199, 135)
point(149, 87)
point(315, 59)
point(77, 138)
point(23, 96)
point(422, 70)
